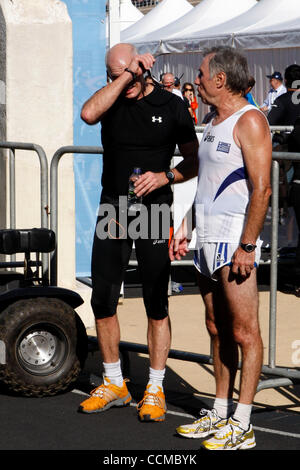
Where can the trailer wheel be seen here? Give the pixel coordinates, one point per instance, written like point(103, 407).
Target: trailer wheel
point(45, 346)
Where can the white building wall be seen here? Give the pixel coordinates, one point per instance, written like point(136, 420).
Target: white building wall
point(36, 70)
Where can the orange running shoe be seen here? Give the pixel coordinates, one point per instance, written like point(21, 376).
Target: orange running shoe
point(153, 406)
point(105, 396)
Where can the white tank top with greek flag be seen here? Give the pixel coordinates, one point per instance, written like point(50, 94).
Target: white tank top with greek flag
point(223, 189)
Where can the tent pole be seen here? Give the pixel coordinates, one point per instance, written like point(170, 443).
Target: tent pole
point(114, 22)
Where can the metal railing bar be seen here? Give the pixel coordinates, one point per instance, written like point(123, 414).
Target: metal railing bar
point(12, 188)
point(273, 267)
point(272, 128)
point(19, 264)
point(274, 251)
point(12, 192)
point(291, 374)
point(271, 369)
point(69, 149)
point(273, 383)
point(43, 186)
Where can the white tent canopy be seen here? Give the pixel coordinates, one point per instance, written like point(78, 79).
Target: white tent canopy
point(264, 15)
point(284, 35)
point(164, 13)
point(128, 15)
point(207, 14)
point(283, 32)
point(265, 12)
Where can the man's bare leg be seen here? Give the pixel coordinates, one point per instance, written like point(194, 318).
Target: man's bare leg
point(159, 342)
point(242, 301)
point(108, 334)
point(224, 350)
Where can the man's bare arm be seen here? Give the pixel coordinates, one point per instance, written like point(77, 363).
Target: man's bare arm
point(253, 135)
point(96, 106)
point(188, 167)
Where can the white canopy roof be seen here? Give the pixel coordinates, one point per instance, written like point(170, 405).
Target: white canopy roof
point(263, 13)
point(129, 15)
point(283, 32)
point(208, 13)
point(164, 13)
point(264, 16)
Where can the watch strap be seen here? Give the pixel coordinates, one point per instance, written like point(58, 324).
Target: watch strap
point(132, 73)
point(170, 175)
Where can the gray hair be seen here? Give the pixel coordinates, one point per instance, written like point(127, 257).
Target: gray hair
point(233, 64)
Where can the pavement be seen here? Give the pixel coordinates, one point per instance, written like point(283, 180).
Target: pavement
point(52, 425)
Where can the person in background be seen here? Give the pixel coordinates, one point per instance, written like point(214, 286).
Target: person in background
point(149, 81)
point(168, 83)
point(286, 112)
point(277, 89)
point(248, 94)
point(294, 199)
point(210, 115)
point(188, 92)
point(177, 86)
point(286, 108)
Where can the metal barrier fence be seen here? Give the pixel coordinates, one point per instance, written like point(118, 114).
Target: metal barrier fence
point(280, 376)
point(70, 149)
point(283, 375)
point(200, 129)
point(12, 147)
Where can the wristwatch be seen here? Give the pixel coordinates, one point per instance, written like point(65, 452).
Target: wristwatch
point(248, 247)
point(134, 76)
point(170, 175)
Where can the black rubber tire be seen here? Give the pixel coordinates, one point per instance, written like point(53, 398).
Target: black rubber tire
point(46, 346)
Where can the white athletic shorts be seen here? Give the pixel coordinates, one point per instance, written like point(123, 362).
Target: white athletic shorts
point(209, 257)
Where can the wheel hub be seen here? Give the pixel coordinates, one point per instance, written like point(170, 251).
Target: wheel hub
point(37, 348)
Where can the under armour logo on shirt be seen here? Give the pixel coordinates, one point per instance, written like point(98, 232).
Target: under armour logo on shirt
point(154, 119)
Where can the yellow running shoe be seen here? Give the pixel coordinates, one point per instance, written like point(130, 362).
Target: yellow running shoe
point(231, 437)
point(208, 423)
point(106, 396)
point(153, 405)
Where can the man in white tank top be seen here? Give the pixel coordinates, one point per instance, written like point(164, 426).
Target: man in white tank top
point(230, 206)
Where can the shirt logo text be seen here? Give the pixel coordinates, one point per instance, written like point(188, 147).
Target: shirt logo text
point(209, 138)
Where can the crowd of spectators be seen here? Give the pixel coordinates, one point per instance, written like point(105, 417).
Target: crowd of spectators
point(285, 111)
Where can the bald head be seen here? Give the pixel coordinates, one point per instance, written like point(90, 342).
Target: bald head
point(119, 56)
point(124, 56)
point(168, 81)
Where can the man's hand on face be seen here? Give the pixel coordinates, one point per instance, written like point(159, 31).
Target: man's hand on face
point(141, 63)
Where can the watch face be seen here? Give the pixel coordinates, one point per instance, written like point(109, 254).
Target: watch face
point(170, 175)
point(249, 247)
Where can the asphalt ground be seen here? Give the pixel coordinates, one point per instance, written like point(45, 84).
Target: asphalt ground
point(53, 424)
point(51, 428)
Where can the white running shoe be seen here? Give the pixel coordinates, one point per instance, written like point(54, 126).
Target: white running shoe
point(231, 437)
point(208, 423)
